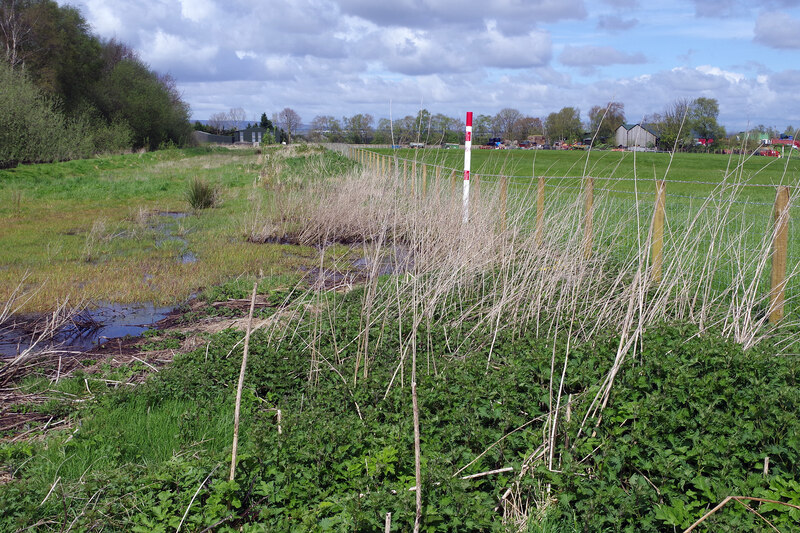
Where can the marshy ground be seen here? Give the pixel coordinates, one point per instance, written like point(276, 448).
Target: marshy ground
point(557, 392)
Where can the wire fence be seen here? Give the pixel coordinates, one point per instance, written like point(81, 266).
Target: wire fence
point(628, 205)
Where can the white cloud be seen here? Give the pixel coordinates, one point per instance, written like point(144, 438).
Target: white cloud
point(778, 30)
point(164, 51)
point(733, 77)
point(197, 10)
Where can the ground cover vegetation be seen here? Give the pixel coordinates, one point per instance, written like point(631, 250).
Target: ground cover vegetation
point(118, 228)
point(554, 390)
point(67, 94)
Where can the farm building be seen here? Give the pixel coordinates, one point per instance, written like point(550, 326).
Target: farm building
point(636, 135)
point(201, 137)
point(252, 134)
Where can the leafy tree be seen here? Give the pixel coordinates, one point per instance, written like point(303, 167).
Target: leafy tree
point(265, 122)
point(703, 113)
point(358, 128)
point(383, 133)
point(564, 125)
point(482, 129)
point(605, 120)
point(148, 103)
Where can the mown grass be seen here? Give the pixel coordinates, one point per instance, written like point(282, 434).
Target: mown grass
point(96, 230)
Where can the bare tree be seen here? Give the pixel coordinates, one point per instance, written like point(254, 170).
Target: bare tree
point(504, 120)
point(237, 116)
point(289, 120)
point(218, 121)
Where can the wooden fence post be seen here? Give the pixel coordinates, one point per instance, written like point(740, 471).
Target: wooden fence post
point(588, 216)
point(424, 179)
point(504, 203)
point(777, 293)
point(540, 211)
point(454, 181)
point(413, 176)
point(405, 172)
point(657, 245)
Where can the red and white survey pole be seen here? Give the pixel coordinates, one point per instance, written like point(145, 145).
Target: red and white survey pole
point(467, 160)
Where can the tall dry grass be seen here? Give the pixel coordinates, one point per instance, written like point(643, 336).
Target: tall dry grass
point(494, 275)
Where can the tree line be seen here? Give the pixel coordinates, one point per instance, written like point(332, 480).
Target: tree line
point(678, 126)
point(66, 93)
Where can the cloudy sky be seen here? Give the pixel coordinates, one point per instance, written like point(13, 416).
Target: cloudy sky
point(393, 57)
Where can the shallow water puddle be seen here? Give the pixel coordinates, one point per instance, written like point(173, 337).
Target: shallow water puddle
point(167, 230)
point(85, 330)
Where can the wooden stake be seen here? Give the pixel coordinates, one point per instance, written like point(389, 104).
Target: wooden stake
point(238, 407)
point(588, 219)
point(504, 203)
point(424, 179)
point(413, 176)
point(540, 211)
point(454, 181)
point(777, 294)
point(657, 246)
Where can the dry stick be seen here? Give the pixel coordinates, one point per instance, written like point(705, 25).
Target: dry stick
point(777, 294)
point(195, 496)
point(241, 383)
point(504, 203)
point(417, 458)
point(539, 211)
point(587, 218)
point(489, 473)
point(657, 247)
point(738, 499)
point(388, 524)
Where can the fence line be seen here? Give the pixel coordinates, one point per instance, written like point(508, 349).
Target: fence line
point(778, 225)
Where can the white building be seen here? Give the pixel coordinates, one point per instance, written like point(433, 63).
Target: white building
point(636, 135)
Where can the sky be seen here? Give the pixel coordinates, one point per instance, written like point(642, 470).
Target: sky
point(393, 58)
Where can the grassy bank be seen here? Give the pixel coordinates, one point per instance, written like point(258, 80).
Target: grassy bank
point(121, 229)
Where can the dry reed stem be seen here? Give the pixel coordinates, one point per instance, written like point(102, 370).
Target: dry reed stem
point(240, 386)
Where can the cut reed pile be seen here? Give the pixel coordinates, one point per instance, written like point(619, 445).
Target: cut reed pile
point(488, 275)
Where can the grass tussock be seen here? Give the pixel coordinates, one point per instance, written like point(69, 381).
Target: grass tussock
point(201, 194)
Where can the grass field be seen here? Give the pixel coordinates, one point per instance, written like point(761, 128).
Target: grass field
point(121, 229)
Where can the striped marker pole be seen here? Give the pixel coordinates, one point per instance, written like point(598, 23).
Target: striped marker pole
point(467, 160)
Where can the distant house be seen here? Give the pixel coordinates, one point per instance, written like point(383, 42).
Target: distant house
point(636, 135)
point(253, 134)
